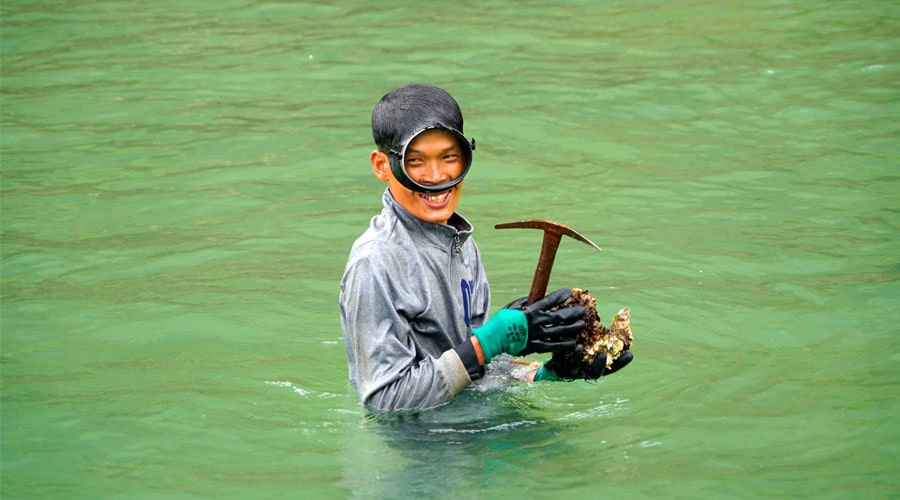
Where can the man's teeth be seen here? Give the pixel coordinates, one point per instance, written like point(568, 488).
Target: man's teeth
point(437, 197)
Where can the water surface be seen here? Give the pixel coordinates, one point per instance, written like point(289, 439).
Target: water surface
point(181, 186)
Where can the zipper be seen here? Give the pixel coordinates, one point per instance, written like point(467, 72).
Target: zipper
point(456, 244)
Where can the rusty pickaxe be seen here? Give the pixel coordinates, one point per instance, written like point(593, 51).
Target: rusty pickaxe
point(553, 232)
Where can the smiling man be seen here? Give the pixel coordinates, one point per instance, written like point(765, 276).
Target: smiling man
point(414, 297)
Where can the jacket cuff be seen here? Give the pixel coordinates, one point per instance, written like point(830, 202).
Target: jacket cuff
point(466, 353)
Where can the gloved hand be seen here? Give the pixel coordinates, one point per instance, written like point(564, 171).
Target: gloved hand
point(557, 329)
point(563, 365)
point(567, 365)
point(599, 369)
point(520, 329)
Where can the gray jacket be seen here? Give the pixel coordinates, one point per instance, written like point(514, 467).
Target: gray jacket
point(411, 293)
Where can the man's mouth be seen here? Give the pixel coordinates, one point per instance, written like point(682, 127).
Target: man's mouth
point(436, 200)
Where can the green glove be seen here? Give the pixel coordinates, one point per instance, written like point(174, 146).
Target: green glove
point(506, 331)
point(546, 375)
point(543, 326)
point(564, 365)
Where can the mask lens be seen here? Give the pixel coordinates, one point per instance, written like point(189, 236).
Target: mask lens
point(398, 163)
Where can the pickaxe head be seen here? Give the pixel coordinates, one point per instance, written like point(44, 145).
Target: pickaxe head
point(553, 232)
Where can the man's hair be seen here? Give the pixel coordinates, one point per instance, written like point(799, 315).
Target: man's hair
point(406, 110)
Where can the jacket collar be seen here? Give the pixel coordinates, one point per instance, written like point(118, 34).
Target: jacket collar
point(441, 235)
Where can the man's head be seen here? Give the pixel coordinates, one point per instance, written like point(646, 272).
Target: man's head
point(422, 152)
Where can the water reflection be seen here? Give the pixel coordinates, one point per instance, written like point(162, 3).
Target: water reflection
point(440, 450)
point(500, 427)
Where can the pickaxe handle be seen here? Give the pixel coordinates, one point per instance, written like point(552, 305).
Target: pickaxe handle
point(553, 232)
point(544, 266)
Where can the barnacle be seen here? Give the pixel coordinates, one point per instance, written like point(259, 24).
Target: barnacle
point(596, 339)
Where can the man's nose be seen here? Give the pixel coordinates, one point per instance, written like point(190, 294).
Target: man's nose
point(434, 172)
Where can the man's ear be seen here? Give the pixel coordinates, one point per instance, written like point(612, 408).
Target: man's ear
point(381, 165)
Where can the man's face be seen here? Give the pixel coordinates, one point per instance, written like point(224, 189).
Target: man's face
point(433, 157)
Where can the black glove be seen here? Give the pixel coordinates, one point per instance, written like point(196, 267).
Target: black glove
point(568, 365)
point(598, 368)
point(550, 331)
point(564, 364)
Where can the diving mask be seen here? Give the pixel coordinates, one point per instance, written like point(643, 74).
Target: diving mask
point(397, 156)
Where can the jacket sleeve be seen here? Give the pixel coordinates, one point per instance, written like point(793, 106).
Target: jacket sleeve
point(380, 350)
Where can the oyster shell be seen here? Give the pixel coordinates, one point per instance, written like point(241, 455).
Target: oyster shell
point(596, 339)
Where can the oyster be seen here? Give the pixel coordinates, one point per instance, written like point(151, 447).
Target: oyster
point(596, 339)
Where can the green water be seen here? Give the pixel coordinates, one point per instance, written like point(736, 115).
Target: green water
point(182, 181)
